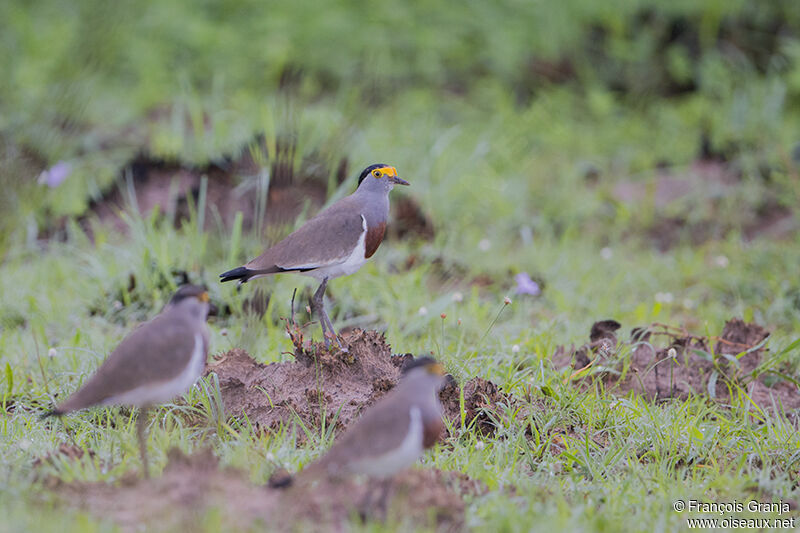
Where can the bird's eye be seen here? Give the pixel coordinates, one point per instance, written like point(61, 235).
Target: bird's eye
point(377, 173)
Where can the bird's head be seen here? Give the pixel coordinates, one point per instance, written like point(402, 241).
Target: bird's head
point(426, 369)
point(379, 178)
point(192, 299)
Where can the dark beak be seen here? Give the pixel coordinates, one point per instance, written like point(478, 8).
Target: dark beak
point(399, 181)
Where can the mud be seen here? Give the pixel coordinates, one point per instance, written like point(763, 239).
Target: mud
point(688, 206)
point(191, 487)
point(64, 452)
point(329, 386)
point(232, 187)
point(665, 362)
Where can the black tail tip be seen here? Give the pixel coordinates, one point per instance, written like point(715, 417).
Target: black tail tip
point(280, 479)
point(241, 273)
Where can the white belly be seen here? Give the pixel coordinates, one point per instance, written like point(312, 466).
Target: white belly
point(401, 457)
point(164, 391)
point(350, 265)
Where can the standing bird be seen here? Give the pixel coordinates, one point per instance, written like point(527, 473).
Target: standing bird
point(156, 362)
point(336, 242)
point(393, 433)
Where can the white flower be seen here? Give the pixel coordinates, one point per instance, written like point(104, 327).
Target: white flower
point(458, 297)
point(721, 261)
point(224, 332)
point(52, 352)
point(484, 245)
point(423, 311)
point(664, 297)
point(606, 253)
point(480, 445)
point(507, 301)
point(270, 457)
point(515, 348)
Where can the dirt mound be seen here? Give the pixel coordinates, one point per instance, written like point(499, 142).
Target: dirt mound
point(483, 401)
point(190, 486)
point(329, 385)
point(665, 362)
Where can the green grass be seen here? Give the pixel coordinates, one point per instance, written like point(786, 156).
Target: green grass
point(495, 153)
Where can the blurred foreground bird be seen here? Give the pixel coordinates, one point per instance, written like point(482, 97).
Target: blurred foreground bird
point(336, 242)
point(158, 361)
point(390, 436)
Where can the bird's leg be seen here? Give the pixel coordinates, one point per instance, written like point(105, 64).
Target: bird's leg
point(141, 422)
point(318, 304)
point(333, 331)
point(383, 497)
point(366, 503)
point(324, 320)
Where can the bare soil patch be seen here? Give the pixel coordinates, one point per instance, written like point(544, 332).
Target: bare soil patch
point(692, 205)
point(233, 185)
point(334, 386)
point(191, 486)
point(665, 362)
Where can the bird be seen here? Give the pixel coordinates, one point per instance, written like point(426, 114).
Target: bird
point(391, 435)
point(336, 242)
point(156, 362)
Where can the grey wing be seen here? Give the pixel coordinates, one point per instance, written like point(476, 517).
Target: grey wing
point(156, 351)
point(381, 429)
point(326, 239)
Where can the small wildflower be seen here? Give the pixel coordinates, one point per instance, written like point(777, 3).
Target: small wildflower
point(308, 309)
point(443, 315)
point(606, 253)
point(506, 301)
point(515, 348)
point(52, 353)
point(459, 322)
point(423, 311)
point(117, 305)
point(270, 457)
point(458, 297)
point(480, 445)
point(664, 297)
point(484, 245)
point(55, 175)
point(688, 304)
point(525, 285)
point(721, 261)
point(672, 354)
point(224, 332)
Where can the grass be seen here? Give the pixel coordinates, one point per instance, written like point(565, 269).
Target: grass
point(498, 156)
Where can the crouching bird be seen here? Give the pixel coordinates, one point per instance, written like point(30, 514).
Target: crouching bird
point(158, 361)
point(390, 436)
point(336, 242)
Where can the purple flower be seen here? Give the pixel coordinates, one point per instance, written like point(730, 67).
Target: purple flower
point(55, 175)
point(525, 285)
